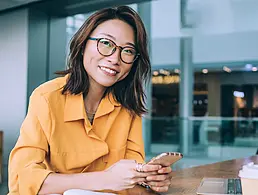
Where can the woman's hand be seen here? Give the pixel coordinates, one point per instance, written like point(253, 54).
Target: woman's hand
point(123, 175)
point(161, 181)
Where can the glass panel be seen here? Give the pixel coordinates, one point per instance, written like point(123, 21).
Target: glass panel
point(78, 23)
point(69, 21)
point(229, 127)
point(133, 6)
point(224, 138)
point(69, 31)
point(165, 130)
point(79, 17)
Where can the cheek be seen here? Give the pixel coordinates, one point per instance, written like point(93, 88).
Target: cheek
point(91, 59)
point(87, 61)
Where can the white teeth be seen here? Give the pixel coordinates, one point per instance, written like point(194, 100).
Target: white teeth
point(108, 70)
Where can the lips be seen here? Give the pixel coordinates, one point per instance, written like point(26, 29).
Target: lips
point(108, 71)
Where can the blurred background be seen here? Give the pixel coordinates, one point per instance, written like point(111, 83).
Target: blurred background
point(203, 95)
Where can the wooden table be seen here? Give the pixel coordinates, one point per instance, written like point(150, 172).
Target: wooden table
point(186, 181)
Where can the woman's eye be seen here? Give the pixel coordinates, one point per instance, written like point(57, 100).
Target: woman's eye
point(129, 51)
point(106, 43)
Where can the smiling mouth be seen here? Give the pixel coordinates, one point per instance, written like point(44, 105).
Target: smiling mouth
point(108, 71)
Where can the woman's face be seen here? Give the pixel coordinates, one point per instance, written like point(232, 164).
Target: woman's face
point(107, 70)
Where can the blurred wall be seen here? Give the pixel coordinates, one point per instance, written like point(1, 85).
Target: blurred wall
point(224, 16)
point(225, 31)
point(206, 17)
point(32, 48)
point(13, 75)
point(239, 46)
point(242, 46)
point(165, 19)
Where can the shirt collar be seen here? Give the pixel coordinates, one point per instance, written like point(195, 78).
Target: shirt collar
point(74, 107)
point(106, 105)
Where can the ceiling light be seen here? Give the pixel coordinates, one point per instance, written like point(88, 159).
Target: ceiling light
point(205, 71)
point(155, 73)
point(248, 66)
point(226, 69)
point(165, 72)
point(177, 71)
point(239, 94)
point(161, 71)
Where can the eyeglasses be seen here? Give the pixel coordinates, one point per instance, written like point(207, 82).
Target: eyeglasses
point(107, 47)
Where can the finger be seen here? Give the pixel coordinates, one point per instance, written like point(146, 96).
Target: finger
point(165, 170)
point(157, 177)
point(139, 180)
point(160, 189)
point(129, 186)
point(148, 168)
point(136, 181)
point(144, 174)
point(169, 175)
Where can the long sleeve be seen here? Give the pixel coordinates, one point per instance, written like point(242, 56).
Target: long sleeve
point(27, 167)
point(135, 145)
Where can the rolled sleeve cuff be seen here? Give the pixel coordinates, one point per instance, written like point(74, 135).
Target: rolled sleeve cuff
point(30, 181)
point(135, 156)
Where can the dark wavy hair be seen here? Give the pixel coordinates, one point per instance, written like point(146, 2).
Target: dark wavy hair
point(129, 92)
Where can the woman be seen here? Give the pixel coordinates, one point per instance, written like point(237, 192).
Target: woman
point(81, 126)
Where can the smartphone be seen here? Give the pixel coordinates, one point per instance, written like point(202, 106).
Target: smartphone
point(166, 159)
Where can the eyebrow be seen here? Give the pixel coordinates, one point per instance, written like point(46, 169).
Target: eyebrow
point(112, 37)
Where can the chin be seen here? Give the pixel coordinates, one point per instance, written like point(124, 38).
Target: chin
point(106, 84)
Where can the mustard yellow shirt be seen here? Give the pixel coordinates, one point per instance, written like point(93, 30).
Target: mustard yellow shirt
point(56, 136)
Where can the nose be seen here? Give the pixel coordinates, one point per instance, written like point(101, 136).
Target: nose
point(115, 57)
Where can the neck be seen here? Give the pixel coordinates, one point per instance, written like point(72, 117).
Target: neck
point(93, 98)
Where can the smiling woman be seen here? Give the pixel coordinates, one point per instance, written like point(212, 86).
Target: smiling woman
point(83, 129)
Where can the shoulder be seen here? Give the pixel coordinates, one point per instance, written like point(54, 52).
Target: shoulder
point(50, 88)
point(127, 115)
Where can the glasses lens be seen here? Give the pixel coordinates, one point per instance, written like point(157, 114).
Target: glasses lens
point(128, 54)
point(105, 47)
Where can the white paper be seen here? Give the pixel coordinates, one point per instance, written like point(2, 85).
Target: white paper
point(249, 171)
